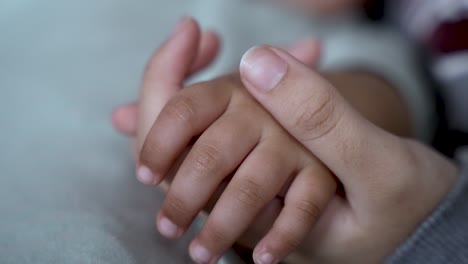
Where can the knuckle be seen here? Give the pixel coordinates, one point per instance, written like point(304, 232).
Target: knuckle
point(206, 158)
point(216, 233)
point(249, 194)
point(150, 150)
point(182, 108)
point(308, 210)
point(317, 116)
point(176, 208)
point(289, 240)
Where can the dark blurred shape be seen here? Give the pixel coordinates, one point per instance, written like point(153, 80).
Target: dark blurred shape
point(374, 9)
point(450, 36)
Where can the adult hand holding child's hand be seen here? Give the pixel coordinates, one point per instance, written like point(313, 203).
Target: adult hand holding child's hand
point(391, 184)
point(165, 75)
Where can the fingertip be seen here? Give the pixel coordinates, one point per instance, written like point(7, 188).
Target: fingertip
point(168, 228)
point(185, 23)
point(265, 258)
point(188, 24)
point(263, 255)
point(115, 118)
point(199, 253)
point(212, 43)
point(172, 60)
point(207, 51)
point(124, 119)
point(213, 35)
point(146, 176)
point(262, 68)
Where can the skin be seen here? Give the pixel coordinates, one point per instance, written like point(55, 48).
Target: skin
point(235, 136)
point(391, 183)
point(163, 83)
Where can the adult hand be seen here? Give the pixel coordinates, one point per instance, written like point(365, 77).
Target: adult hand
point(391, 184)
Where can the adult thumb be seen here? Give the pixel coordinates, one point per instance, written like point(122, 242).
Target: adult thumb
point(313, 111)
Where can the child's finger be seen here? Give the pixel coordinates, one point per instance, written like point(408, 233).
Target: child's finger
point(255, 184)
point(182, 118)
point(262, 224)
point(307, 51)
point(166, 72)
point(216, 154)
point(172, 62)
point(207, 51)
point(307, 197)
point(124, 119)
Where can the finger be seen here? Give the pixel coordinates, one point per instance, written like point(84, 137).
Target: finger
point(124, 119)
point(166, 72)
point(307, 197)
point(183, 117)
point(307, 51)
point(216, 154)
point(315, 113)
point(207, 52)
point(255, 184)
point(262, 224)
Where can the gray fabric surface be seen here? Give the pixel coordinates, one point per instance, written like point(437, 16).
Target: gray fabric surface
point(443, 237)
point(67, 187)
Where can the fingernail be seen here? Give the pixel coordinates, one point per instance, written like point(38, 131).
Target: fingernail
point(265, 258)
point(200, 254)
point(168, 229)
point(262, 68)
point(180, 26)
point(145, 176)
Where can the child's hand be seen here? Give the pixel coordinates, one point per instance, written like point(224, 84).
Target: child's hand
point(236, 136)
point(126, 119)
point(174, 62)
point(161, 83)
